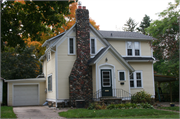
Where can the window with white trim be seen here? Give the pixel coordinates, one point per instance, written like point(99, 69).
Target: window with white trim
point(93, 46)
point(71, 46)
point(136, 79)
point(121, 75)
point(50, 83)
point(48, 56)
point(129, 49)
point(133, 48)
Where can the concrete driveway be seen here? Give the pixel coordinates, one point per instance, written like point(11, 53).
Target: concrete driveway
point(37, 112)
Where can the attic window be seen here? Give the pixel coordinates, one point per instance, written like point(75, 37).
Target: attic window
point(71, 46)
point(93, 46)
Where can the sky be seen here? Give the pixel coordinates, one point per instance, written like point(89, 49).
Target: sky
point(111, 15)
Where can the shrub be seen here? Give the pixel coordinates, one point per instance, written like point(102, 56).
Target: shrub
point(111, 106)
point(141, 97)
point(128, 105)
point(96, 106)
point(146, 105)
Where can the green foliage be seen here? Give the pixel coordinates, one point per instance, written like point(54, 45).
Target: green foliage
point(96, 106)
point(176, 108)
point(141, 97)
point(111, 106)
point(144, 24)
point(146, 106)
point(7, 112)
point(30, 19)
point(19, 63)
point(117, 113)
point(130, 25)
point(166, 45)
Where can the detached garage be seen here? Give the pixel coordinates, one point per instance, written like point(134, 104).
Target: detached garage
point(24, 92)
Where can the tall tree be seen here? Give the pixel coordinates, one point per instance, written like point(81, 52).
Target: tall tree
point(130, 25)
point(144, 24)
point(166, 45)
point(19, 63)
point(26, 19)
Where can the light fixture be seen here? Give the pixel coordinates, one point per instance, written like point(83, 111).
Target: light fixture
point(106, 59)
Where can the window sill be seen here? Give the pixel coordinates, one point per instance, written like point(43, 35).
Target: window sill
point(137, 88)
point(71, 54)
point(121, 80)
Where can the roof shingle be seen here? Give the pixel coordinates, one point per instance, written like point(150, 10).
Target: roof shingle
point(124, 34)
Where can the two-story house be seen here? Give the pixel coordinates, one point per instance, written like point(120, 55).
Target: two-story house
point(83, 63)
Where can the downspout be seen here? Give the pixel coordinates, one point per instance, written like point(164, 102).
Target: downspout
point(56, 73)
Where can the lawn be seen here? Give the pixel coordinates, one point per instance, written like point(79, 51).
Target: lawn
point(170, 108)
point(7, 112)
point(119, 113)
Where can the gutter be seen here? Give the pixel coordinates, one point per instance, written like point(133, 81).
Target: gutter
point(30, 79)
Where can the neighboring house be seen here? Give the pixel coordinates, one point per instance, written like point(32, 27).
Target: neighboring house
point(85, 64)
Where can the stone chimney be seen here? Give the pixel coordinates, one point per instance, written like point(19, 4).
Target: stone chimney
point(80, 79)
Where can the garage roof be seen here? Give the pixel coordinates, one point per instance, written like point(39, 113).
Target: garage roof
point(163, 78)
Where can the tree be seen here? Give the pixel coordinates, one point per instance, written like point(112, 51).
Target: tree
point(166, 45)
point(130, 25)
point(29, 19)
point(144, 24)
point(19, 63)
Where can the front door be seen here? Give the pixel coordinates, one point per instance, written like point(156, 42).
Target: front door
point(106, 82)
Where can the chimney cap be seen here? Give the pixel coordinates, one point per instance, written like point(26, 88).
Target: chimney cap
point(79, 3)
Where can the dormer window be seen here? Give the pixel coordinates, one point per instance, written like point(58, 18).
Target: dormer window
point(93, 46)
point(133, 48)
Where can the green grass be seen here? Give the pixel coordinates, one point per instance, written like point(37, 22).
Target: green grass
point(170, 108)
point(119, 113)
point(7, 112)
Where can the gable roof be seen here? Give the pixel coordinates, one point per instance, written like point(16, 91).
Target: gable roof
point(124, 35)
point(47, 41)
point(103, 51)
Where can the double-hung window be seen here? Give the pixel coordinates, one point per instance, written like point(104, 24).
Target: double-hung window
point(133, 48)
point(93, 46)
point(50, 83)
point(71, 46)
point(136, 79)
point(121, 75)
point(129, 49)
point(136, 48)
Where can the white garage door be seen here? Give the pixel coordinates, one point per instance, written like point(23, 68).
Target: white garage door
point(25, 95)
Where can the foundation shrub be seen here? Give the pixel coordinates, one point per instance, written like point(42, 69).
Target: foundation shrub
point(141, 97)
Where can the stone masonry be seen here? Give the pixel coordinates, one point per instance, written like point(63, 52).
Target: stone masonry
point(80, 79)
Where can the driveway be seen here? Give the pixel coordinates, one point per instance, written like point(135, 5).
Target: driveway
point(37, 112)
